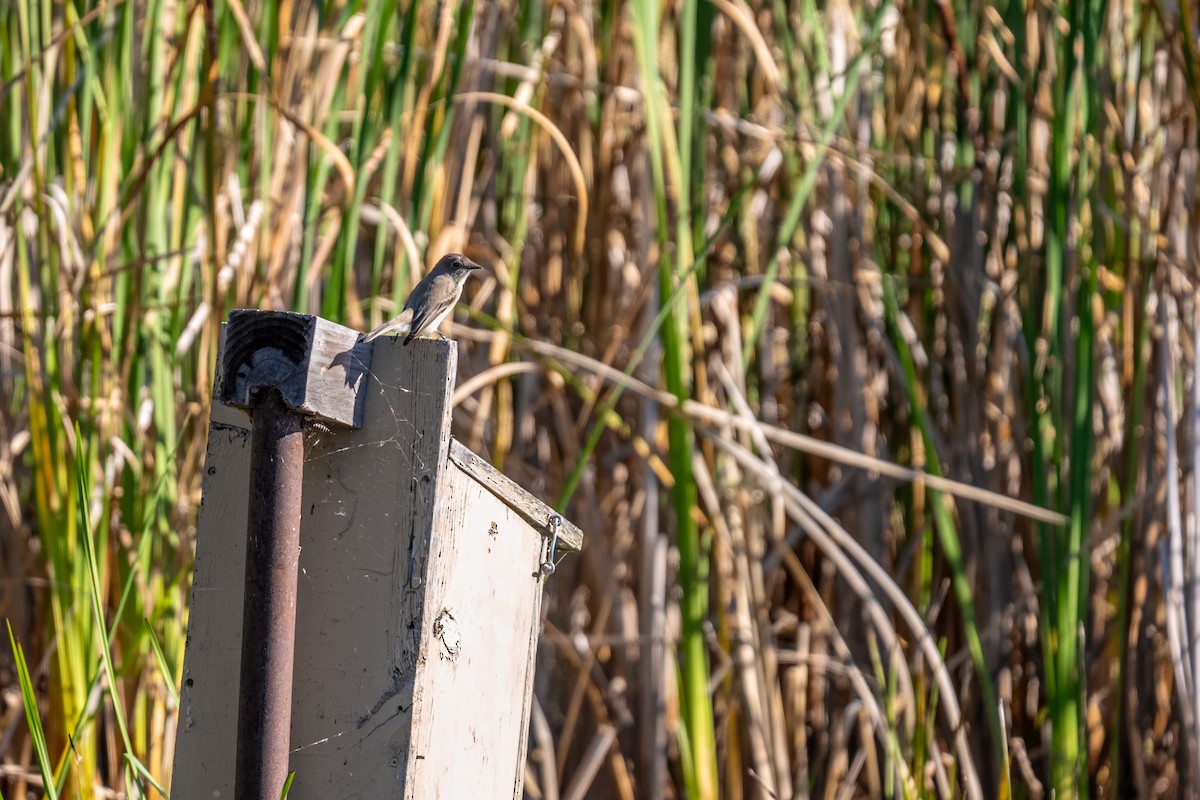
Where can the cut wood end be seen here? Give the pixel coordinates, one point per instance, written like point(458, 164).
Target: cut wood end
point(318, 366)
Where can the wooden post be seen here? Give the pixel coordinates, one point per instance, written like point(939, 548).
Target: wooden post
point(418, 607)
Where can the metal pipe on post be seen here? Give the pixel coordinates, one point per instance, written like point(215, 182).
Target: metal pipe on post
point(269, 611)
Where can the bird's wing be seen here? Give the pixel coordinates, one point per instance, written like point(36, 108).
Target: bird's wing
point(431, 306)
point(427, 315)
point(401, 323)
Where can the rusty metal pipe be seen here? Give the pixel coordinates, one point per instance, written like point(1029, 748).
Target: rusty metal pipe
point(269, 612)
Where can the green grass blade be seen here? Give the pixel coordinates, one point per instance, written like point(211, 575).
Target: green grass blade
point(167, 675)
point(96, 597)
point(32, 717)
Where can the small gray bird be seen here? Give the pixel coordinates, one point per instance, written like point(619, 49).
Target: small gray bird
point(431, 300)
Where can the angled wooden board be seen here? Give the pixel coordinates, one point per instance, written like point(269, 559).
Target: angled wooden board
point(534, 511)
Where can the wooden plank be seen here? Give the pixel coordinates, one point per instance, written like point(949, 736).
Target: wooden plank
point(206, 738)
point(533, 510)
point(475, 677)
point(363, 593)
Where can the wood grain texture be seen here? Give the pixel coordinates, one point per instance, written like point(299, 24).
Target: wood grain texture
point(418, 604)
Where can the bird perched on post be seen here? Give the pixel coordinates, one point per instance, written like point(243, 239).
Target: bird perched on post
point(431, 300)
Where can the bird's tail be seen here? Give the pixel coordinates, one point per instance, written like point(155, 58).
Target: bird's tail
point(400, 324)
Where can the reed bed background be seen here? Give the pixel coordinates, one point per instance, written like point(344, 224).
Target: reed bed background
point(859, 338)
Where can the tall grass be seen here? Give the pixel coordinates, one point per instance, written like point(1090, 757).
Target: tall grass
point(733, 248)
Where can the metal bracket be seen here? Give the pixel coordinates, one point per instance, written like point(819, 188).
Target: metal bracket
point(549, 565)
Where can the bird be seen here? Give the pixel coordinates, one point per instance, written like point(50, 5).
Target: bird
point(431, 300)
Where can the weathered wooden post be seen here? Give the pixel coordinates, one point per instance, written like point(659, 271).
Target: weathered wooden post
point(419, 589)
